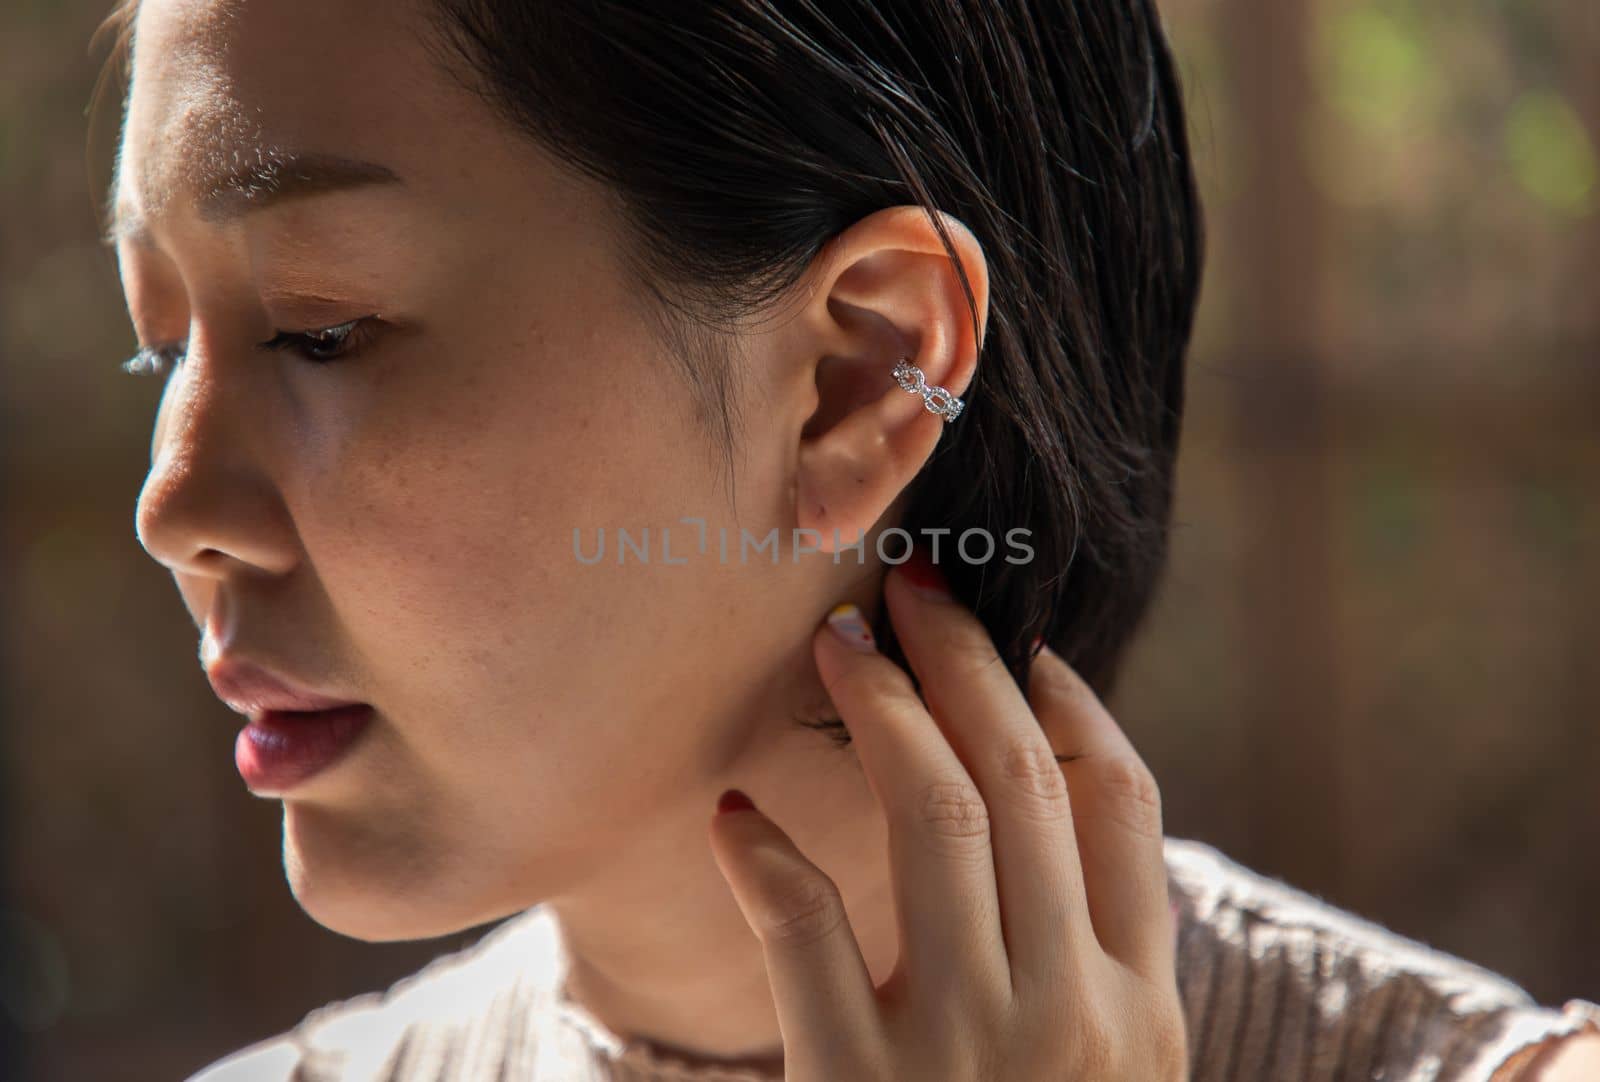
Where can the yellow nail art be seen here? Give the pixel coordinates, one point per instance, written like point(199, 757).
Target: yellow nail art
point(847, 623)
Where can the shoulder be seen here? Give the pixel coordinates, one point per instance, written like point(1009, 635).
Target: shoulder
point(1278, 983)
point(465, 1013)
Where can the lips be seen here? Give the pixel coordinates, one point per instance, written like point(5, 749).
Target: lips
point(279, 750)
point(254, 690)
point(294, 733)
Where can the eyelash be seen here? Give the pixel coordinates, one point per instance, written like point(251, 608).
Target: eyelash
point(155, 359)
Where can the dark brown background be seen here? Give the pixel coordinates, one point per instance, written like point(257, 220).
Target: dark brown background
point(1373, 671)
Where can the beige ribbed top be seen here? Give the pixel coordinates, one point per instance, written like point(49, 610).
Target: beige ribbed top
point(1276, 985)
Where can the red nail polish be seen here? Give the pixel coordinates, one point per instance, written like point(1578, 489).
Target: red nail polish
point(733, 800)
point(925, 575)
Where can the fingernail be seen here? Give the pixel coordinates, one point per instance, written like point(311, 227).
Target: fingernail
point(733, 800)
point(847, 623)
point(924, 575)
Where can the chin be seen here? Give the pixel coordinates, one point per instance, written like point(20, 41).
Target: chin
point(361, 884)
point(381, 887)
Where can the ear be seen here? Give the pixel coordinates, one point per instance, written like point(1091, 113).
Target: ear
point(886, 289)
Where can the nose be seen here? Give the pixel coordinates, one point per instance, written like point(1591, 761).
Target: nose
point(210, 500)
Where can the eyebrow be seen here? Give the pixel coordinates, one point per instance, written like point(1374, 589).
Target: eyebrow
point(278, 178)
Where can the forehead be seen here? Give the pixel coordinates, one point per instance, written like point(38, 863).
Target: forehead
point(223, 84)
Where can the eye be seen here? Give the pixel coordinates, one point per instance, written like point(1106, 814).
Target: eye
point(320, 346)
point(323, 345)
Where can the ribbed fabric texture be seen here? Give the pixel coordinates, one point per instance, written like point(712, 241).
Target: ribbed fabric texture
point(1277, 986)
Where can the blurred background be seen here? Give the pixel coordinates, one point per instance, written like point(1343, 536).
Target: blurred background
point(1373, 671)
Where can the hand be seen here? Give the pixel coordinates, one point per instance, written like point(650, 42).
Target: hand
point(1036, 939)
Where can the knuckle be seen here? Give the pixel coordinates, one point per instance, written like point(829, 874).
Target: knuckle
point(1130, 793)
point(1094, 1047)
point(954, 812)
point(1031, 768)
point(1172, 1046)
point(802, 911)
point(1166, 1044)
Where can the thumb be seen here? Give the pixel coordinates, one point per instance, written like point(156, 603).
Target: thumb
point(820, 983)
point(785, 898)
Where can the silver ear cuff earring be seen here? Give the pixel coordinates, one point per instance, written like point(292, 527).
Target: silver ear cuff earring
point(936, 399)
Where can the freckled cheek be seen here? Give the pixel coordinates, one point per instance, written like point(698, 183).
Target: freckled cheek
point(432, 523)
point(437, 610)
point(442, 529)
point(438, 543)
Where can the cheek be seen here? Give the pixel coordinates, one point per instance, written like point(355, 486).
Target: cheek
point(441, 527)
point(426, 529)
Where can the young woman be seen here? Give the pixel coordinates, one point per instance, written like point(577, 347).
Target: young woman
point(553, 393)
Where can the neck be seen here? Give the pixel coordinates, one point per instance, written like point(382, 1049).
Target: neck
point(659, 950)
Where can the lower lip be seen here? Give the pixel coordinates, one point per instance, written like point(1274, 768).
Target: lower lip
point(283, 748)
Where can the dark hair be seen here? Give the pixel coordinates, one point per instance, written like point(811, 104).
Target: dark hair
point(739, 136)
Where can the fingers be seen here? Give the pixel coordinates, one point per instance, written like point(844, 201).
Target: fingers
point(1116, 806)
point(951, 946)
point(821, 986)
point(991, 726)
point(1016, 878)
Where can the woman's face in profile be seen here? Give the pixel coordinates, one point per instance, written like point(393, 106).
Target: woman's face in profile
point(395, 524)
